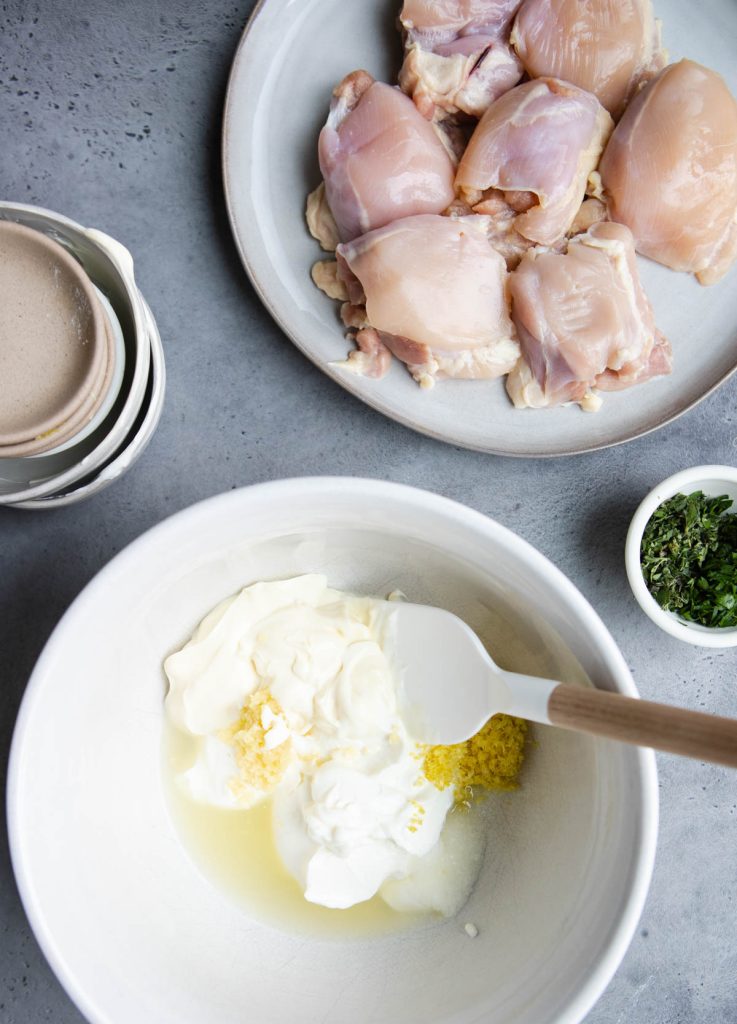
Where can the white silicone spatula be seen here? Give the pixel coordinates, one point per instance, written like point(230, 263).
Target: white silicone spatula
point(451, 686)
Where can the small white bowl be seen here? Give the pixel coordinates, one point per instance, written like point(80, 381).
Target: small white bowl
point(713, 481)
point(110, 267)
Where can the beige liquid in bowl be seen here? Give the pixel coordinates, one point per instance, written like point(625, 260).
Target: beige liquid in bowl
point(53, 352)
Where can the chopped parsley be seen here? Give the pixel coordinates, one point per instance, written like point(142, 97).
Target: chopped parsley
point(689, 558)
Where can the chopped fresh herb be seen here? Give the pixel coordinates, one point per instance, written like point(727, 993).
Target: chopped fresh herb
point(689, 558)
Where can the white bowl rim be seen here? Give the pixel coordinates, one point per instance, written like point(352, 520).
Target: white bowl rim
point(122, 262)
point(690, 632)
point(623, 927)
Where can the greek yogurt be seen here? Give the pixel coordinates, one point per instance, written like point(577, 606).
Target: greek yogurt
point(290, 697)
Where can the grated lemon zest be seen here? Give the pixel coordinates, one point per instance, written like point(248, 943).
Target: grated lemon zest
point(491, 759)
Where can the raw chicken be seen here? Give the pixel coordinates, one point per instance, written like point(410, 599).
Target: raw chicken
point(502, 233)
point(604, 46)
point(583, 321)
point(320, 219)
point(670, 171)
point(381, 160)
point(370, 358)
point(457, 57)
point(325, 276)
point(442, 22)
point(538, 144)
point(435, 295)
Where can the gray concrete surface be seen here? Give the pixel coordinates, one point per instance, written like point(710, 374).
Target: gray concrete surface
point(110, 112)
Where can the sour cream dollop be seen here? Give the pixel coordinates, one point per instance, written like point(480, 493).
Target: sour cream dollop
point(352, 807)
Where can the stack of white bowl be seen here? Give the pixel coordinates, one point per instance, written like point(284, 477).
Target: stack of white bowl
point(113, 413)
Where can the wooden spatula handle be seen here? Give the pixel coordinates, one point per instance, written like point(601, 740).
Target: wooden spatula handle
point(691, 733)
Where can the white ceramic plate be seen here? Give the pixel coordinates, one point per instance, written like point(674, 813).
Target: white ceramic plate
point(291, 55)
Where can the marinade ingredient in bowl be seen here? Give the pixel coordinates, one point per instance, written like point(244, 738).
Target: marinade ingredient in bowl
point(688, 555)
point(491, 759)
point(287, 695)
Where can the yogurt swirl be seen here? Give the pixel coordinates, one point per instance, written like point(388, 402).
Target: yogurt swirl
point(296, 662)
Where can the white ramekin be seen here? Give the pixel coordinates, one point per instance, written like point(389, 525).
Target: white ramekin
point(713, 481)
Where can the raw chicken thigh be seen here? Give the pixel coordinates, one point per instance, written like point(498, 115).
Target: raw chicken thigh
point(380, 159)
point(583, 321)
point(434, 291)
point(670, 171)
point(441, 22)
point(457, 56)
point(537, 144)
point(604, 46)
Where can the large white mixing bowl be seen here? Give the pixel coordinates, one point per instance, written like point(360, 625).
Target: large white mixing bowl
point(136, 933)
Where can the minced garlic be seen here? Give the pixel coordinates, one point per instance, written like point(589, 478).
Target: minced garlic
point(489, 760)
point(261, 764)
